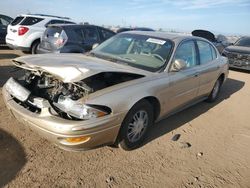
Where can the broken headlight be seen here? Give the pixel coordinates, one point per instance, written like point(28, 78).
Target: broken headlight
point(81, 111)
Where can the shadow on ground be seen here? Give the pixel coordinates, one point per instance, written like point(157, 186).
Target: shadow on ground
point(240, 70)
point(173, 122)
point(8, 56)
point(4, 47)
point(9, 71)
point(12, 157)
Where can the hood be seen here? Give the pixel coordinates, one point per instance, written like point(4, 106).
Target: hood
point(238, 49)
point(204, 34)
point(72, 67)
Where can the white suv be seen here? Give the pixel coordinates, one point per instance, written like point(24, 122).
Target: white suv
point(25, 31)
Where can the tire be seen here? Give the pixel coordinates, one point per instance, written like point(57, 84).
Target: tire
point(34, 47)
point(215, 91)
point(135, 126)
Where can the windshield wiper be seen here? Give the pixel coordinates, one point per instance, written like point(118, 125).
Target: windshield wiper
point(115, 59)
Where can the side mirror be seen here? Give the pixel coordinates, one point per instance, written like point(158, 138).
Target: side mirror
point(95, 45)
point(178, 65)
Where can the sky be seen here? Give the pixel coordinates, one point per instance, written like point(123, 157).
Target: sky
point(229, 17)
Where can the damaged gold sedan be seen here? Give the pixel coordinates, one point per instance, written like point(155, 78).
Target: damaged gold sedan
point(114, 94)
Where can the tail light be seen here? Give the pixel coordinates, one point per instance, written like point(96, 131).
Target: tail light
point(61, 40)
point(22, 30)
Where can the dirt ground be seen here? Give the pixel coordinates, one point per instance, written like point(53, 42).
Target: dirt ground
point(217, 153)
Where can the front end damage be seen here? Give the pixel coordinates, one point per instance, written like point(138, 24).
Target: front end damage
point(59, 110)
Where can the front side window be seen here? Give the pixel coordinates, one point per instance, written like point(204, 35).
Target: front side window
point(187, 52)
point(90, 34)
point(206, 52)
point(140, 51)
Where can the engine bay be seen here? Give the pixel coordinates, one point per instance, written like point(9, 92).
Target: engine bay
point(46, 86)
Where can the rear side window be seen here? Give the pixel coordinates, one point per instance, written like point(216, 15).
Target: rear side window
point(17, 20)
point(78, 34)
point(90, 34)
point(207, 52)
point(105, 33)
point(53, 32)
point(58, 22)
point(31, 21)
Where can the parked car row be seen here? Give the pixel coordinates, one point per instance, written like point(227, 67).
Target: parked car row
point(25, 31)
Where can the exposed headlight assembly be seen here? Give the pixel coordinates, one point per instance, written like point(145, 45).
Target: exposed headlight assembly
point(16, 90)
point(81, 111)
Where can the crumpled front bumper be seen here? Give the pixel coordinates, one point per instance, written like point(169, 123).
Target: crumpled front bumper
point(101, 131)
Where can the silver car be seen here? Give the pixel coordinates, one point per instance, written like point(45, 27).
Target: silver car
point(114, 94)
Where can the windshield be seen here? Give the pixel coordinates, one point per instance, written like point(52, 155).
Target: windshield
point(243, 42)
point(140, 51)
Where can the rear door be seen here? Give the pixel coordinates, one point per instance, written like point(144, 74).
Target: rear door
point(184, 84)
point(209, 67)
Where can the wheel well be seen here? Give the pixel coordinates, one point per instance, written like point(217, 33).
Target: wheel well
point(222, 77)
point(37, 40)
point(156, 105)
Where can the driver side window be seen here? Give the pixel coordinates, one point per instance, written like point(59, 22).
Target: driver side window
point(187, 52)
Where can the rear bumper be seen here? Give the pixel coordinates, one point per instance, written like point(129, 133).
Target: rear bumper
point(25, 49)
point(45, 51)
point(101, 131)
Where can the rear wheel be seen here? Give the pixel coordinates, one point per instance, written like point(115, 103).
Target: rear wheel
point(215, 91)
point(136, 125)
point(34, 47)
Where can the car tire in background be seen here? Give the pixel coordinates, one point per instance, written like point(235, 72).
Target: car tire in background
point(215, 91)
point(34, 46)
point(135, 126)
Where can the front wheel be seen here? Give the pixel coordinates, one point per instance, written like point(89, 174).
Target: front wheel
point(215, 91)
point(136, 125)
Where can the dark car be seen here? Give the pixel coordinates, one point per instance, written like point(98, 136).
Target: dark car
point(75, 38)
point(239, 54)
point(123, 29)
point(219, 44)
point(4, 22)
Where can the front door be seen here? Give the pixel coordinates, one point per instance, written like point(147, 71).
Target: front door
point(184, 84)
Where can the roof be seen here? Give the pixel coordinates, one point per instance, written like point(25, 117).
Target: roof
point(46, 16)
point(163, 35)
point(78, 26)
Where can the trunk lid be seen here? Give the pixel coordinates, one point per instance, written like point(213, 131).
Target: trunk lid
point(53, 38)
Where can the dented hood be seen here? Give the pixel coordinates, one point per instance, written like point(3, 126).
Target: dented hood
point(72, 67)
